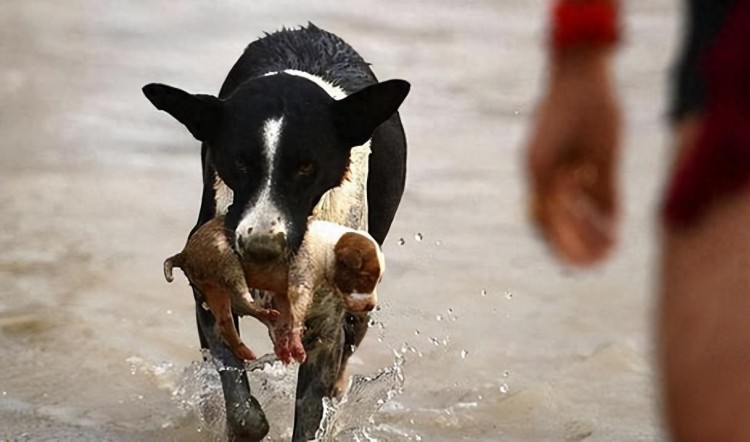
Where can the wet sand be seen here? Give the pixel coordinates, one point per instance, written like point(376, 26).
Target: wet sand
point(97, 188)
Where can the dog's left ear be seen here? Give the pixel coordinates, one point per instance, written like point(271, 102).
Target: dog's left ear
point(358, 115)
point(201, 114)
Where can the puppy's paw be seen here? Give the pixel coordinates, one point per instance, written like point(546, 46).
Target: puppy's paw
point(296, 349)
point(281, 348)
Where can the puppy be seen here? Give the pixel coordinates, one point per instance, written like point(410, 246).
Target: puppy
point(215, 270)
point(349, 260)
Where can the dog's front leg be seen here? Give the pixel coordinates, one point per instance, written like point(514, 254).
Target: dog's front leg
point(245, 418)
point(324, 343)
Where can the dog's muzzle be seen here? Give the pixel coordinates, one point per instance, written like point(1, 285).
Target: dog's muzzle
point(262, 248)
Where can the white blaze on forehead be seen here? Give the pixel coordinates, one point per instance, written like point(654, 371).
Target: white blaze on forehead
point(263, 212)
point(346, 204)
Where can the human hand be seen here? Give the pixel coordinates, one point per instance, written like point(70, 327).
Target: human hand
point(572, 157)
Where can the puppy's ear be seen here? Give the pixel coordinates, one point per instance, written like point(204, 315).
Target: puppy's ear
point(349, 258)
point(357, 116)
point(201, 114)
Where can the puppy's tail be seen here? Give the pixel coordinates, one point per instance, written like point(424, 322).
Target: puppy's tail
point(170, 263)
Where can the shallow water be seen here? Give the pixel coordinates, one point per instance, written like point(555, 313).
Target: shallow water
point(493, 339)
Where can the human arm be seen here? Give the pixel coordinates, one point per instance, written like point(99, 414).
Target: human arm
point(572, 153)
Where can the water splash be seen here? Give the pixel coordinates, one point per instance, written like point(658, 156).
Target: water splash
point(198, 391)
point(351, 417)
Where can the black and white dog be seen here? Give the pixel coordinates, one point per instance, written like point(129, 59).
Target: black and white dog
point(277, 138)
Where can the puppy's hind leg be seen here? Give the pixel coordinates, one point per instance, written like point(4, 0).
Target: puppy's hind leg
point(220, 304)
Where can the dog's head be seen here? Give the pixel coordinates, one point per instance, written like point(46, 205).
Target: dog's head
point(359, 267)
point(279, 142)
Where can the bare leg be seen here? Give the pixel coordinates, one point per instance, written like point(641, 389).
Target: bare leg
point(704, 337)
point(220, 305)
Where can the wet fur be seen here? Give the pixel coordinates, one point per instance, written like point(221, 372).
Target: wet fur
point(332, 334)
point(214, 269)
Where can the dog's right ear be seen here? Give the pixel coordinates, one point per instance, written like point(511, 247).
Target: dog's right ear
point(201, 114)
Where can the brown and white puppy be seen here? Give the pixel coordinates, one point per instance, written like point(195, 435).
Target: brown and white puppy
point(215, 270)
point(349, 260)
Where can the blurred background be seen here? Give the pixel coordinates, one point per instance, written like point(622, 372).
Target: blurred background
point(500, 342)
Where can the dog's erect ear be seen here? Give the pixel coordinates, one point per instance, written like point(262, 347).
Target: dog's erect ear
point(359, 114)
point(201, 114)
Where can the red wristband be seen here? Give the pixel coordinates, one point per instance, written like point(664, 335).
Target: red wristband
point(584, 24)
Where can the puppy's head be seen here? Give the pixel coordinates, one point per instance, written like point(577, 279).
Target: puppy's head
point(279, 142)
point(358, 269)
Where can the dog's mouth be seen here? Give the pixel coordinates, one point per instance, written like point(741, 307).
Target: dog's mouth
point(263, 250)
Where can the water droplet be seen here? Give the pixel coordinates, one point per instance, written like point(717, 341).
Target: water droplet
point(506, 373)
point(504, 388)
point(416, 332)
point(435, 342)
point(484, 292)
point(133, 370)
point(411, 421)
point(140, 396)
point(464, 353)
point(169, 312)
point(418, 236)
point(439, 317)
point(401, 241)
point(438, 243)
point(417, 437)
point(516, 113)
point(380, 339)
point(509, 295)
point(479, 397)
point(5, 393)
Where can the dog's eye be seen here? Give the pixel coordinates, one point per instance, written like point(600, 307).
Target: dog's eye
point(240, 166)
point(306, 169)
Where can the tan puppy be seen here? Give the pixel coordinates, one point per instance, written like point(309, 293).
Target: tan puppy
point(214, 268)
